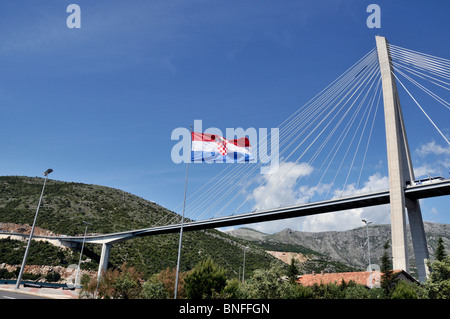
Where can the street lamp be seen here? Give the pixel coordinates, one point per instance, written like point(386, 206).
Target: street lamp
point(368, 249)
point(243, 268)
point(181, 232)
point(77, 279)
point(19, 278)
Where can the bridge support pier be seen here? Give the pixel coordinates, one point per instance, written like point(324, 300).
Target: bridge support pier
point(400, 172)
point(418, 238)
point(104, 259)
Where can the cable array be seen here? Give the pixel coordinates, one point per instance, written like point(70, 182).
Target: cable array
point(323, 145)
point(314, 135)
point(415, 66)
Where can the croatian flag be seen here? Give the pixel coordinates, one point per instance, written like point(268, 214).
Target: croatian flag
point(215, 148)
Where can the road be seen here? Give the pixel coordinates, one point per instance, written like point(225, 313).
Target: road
point(5, 295)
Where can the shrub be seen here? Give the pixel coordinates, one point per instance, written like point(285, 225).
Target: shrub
point(356, 292)
point(231, 290)
point(154, 289)
point(205, 279)
point(265, 284)
point(28, 276)
point(123, 284)
point(167, 278)
point(296, 291)
point(53, 277)
point(403, 290)
point(438, 284)
point(6, 274)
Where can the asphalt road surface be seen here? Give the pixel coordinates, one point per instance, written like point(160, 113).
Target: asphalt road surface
point(5, 295)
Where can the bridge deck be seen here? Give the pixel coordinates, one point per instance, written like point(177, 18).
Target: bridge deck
point(333, 205)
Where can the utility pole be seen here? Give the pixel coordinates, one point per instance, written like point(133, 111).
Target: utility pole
point(19, 278)
point(181, 231)
point(368, 250)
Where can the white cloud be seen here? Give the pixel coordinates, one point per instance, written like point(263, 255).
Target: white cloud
point(424, 170)
point(279, 187)
point(268, 196)
point(376, 182)
point(345, 220)
point(437, 159)
point(433, 148)
point(333, 221)
point(350, 219)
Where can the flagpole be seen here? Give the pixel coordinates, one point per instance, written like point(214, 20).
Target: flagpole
point(181, 228)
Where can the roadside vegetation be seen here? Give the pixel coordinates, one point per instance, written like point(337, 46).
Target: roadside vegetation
point(209, 281)
point(143, 268)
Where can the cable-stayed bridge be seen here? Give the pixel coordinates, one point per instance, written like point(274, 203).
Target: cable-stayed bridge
point(434, 189)
point(324, 151)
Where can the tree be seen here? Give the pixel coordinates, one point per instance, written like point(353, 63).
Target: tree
point(154, 289)
point(356, 292)
point(231, 290)
point(266, 284)
point(438, 284)
point(53, 277)
point(328, 291)
point(440, 253)
point(292, 271)
point(404, 290)
point(167, 277)
point(387, 274)
point(206, 279)
point(123, 284)
point(88, 287)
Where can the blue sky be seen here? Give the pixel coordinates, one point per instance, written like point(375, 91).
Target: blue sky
point(98, 104)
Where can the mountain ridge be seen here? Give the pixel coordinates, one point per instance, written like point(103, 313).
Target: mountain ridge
point(348, 247)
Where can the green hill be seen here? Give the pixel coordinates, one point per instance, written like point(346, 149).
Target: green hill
point(65, 205)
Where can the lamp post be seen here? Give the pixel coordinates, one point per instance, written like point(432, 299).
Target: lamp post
point(77, 279)
point(243, 267)
point(368, 249)
point(181, 232)
point(19, 278)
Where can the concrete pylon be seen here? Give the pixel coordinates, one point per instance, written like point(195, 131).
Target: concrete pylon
point(400, 172)
point(104, 258)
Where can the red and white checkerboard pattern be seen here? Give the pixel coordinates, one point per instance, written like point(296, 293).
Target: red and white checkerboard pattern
point(222, 147)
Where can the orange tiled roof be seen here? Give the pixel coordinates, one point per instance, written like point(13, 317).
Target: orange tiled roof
point(362, 278)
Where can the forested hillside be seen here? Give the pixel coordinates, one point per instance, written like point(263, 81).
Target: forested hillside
point(65, 205)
